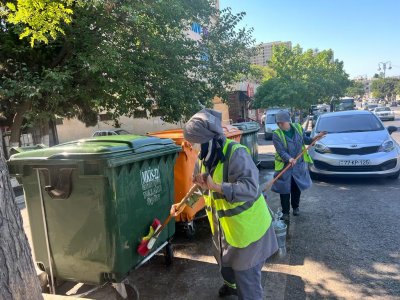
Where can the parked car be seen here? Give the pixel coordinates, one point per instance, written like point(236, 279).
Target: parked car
point(315, 118)
point(393, 104)
point(371, 106)
point(270, 122)
point(383, 102)
point(357, 144)
point(384, 113)
point(110, 132)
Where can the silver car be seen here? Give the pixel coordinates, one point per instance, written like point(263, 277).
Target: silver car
point(384, 113)
point(110, 132)
point(357, 144)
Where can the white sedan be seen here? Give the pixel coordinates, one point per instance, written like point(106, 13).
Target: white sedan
point(384, 113)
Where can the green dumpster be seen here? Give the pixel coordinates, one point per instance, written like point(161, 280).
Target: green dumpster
point(249, 137)
point(99, 196)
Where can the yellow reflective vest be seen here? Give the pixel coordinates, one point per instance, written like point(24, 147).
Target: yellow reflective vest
point(279, 163)
point(242, 222)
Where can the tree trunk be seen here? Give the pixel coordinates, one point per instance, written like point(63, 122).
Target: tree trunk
point(15, 138)
point(44, 132)
point(18, 279)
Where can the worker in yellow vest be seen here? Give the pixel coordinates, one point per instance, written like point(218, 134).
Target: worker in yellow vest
point(243, 237)
point(289, 141)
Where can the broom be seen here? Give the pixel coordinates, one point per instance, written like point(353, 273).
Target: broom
point(156, 227)
point(271, 182)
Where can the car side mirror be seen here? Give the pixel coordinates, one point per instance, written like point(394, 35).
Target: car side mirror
point(392, 129)
point(308, 133)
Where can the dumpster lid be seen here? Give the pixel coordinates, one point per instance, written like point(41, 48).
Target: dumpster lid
point(174, 134)
point(99, 146)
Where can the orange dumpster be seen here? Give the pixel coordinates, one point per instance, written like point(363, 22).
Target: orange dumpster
point(183, 171)
point(232, 132)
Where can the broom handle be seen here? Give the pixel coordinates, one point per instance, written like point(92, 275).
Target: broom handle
point(183, 202)
point(269, 185)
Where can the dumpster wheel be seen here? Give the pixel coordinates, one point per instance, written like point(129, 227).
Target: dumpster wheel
point(169, 254)
point(190, 230)
point(126, 290)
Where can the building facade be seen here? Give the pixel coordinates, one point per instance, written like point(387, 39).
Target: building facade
point(263, 52)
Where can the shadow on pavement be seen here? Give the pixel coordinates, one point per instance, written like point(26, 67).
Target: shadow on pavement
point(346, 243)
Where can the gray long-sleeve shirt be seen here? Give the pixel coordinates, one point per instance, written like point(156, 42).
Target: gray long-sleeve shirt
point(300, 171)
point(242, 186)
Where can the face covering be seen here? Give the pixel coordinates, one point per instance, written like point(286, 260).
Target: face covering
point(211, 153)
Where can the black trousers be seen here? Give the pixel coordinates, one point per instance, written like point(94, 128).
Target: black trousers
point(293, 197)
point(247, 282)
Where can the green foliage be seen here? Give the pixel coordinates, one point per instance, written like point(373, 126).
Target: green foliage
point(302, 78)
point(356, 89)
point(125, 57)
point(39, 19)
point(260, 74)
point(385, 88)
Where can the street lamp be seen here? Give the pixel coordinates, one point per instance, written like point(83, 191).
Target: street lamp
point(384, 64)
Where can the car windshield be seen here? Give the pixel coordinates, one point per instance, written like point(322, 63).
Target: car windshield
point(382, 109)
point(270, 119)
point(349, 123)
point(372, 105)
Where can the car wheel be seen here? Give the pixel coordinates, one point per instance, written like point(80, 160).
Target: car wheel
point(395, 175)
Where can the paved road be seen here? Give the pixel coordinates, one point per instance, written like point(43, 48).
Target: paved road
point(345, 245)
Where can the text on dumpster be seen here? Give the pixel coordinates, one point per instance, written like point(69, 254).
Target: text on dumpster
point(151, 185)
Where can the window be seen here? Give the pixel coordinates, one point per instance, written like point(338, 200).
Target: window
point(349, 123)
point(382, 109)
point(196, 28)
point(105, 117)
point(270, 119)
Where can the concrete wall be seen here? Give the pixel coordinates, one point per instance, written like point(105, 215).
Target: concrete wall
point(74, 129)
point(223, 108)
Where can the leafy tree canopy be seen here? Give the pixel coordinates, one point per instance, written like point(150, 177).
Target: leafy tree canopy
point(385, 88)
point(302, 78)
point(40, 19)
point(355, 89)
point(259, 74)
point(126, 57)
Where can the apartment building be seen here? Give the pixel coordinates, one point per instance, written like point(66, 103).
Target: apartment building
point(263, 52)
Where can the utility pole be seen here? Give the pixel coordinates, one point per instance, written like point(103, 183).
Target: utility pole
point(384, 64)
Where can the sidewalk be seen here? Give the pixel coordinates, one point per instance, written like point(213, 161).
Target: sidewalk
point(266, 152)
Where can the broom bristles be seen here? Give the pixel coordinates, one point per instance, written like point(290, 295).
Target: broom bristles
point(142, 249)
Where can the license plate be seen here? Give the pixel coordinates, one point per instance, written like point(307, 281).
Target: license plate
point(355, 162)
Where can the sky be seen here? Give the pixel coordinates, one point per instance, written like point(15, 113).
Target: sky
point(362, 33)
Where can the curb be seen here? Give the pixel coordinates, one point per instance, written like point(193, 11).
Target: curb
point(267, 162)
point(18, 190)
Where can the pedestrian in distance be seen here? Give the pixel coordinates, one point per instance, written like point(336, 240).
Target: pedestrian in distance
point(241, 224)
point(289, 141)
